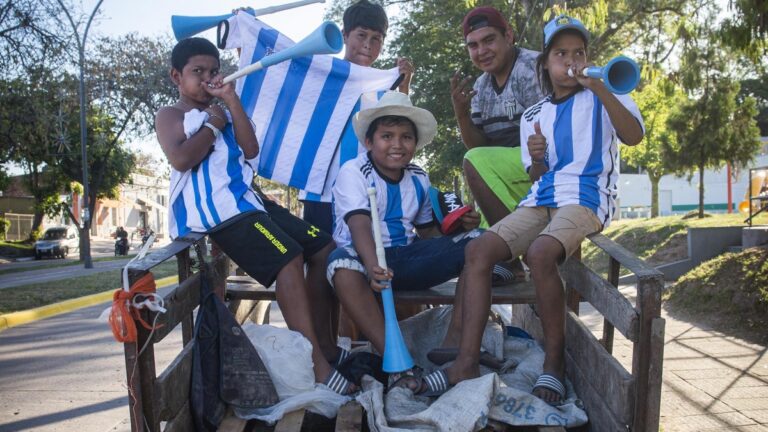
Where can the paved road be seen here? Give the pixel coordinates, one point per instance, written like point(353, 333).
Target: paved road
point(67, 374)
point(100, 248)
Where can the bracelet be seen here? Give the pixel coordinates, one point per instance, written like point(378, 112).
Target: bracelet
point(535, 162)
point(216, 131)
point(217, 116)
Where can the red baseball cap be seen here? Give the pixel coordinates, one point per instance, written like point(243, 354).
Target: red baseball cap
point(483, 16)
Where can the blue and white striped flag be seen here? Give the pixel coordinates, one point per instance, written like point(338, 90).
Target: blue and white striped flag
point(299, 106)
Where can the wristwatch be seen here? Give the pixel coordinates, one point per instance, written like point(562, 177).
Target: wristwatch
point(216, 131)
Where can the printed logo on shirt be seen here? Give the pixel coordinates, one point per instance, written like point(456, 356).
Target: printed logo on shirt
point(313, 230)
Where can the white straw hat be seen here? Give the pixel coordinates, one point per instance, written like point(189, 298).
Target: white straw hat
point(394, 103)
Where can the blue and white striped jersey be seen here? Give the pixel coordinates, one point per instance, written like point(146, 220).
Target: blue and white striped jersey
point(582, 153)
point(403, 205)
point(349, 147)
point(217, 189)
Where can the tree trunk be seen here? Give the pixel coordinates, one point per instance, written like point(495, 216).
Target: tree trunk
point(37, 220)
point(701, 191)
point(654, 179)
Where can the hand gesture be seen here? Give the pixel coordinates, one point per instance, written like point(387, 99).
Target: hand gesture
point(577, 71)
point(470, 220)
point(537, 144)
point(216, 88)
point(405, 67)
point(379, 277)
point(461, 92)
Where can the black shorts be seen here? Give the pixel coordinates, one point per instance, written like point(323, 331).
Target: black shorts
point(263, 243)
point(319, 214)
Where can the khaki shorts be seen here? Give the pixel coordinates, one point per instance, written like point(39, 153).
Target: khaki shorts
point(569, 225)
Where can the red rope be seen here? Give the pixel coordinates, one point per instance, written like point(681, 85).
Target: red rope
point(122, 318)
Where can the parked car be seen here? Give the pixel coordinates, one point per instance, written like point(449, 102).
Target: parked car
point(57, 242)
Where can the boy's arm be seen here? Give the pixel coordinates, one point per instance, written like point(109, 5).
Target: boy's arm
point(429, 232)
point(244, 133)
point(361, 230)
point(182, 153)
point(461, 97)
point(627, 126)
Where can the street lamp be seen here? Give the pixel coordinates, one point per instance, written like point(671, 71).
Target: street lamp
point(86, 217)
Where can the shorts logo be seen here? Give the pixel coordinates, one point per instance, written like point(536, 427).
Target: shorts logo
point(313, 231)
point(275, 242)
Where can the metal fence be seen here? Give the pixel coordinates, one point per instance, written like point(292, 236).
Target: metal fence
point(21, 226)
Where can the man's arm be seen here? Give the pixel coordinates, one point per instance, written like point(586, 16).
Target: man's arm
point(360, 229)
point(461, 96)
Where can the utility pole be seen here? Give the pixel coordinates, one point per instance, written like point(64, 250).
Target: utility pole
point(85, 218)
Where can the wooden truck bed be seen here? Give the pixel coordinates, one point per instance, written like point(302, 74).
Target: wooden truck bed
point(614, 398)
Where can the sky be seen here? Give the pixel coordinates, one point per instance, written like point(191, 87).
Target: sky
point(153, 17)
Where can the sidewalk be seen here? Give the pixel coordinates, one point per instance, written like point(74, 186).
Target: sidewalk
point(711, 382)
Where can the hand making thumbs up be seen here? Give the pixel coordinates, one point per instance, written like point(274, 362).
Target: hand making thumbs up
point(537, 145)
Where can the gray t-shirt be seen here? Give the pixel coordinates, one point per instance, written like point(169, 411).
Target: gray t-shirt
point(497, 111)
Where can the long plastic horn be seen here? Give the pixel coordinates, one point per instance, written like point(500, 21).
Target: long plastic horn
point(186, 26)
point(621, 75)
point(396, 355)
point(326, 39)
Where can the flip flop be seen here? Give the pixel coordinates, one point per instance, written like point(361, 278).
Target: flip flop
point(441, 356)
point(431, 385)
point(551, 383)
point(343, 355)
point(337, 383)
point(502, 276)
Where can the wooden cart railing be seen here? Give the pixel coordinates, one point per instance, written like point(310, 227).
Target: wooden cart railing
point(614, 398)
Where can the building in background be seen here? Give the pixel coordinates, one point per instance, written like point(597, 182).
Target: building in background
point(677, 195)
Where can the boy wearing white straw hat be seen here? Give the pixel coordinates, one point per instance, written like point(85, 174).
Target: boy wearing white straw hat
point(392, 132)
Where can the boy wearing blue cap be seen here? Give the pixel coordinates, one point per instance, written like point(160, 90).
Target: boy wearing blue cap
point(571, 157)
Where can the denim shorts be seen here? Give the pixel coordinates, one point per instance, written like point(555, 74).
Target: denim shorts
point(420, 265)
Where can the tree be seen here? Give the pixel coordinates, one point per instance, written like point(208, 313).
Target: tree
point(655, 102)
point(31, 34)
point(32, 118)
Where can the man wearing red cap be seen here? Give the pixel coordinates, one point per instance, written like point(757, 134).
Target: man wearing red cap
point(489, 113)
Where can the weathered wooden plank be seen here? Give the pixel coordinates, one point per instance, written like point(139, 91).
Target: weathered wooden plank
point(653, 393)
point(179, 304)
point(291, 422)
point(600, 416)
point(649, 304)
point(604, 297)
point(172, 386)
point(610, 380)
point(182, 422)
point(516, 293)
point(613, 278)
point(135, 406)
point(350, 417)
point(551, 429)
point(232, 423)
point(627, 259)
point(157, 256)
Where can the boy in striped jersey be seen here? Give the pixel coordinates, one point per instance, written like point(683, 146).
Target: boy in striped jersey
point(211, 152)
point(572, 159)
point(392, 132)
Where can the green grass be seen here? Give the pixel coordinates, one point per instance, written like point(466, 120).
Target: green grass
point(41, 294)
point(55, 264)
point(732, 287)
point(658, 240)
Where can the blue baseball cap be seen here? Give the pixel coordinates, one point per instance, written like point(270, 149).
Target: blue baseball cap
point(560, 23)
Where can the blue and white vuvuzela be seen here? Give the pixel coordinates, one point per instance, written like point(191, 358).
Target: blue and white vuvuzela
point(326, 39)
point(187, 26)
point(396, 355)
point(621, 75)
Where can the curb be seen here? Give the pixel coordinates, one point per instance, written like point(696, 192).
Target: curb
point(14, 319)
